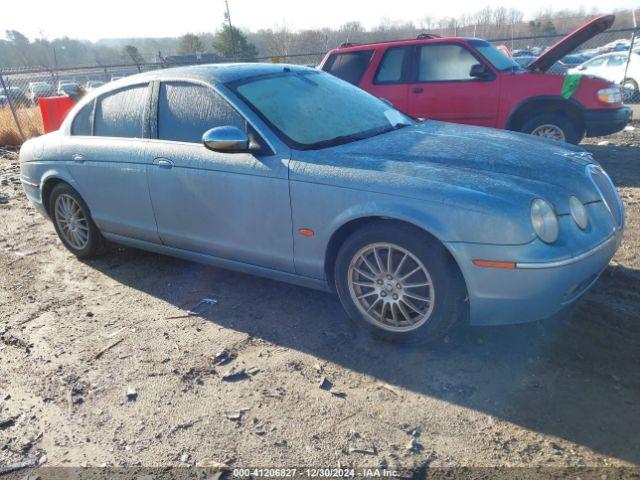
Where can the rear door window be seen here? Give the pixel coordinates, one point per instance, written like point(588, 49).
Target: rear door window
point(617, 60)
point(391, 66)
point(186, 111)
point(596, 62)
point(121, 113)
point(445, 63)
point(349, 66)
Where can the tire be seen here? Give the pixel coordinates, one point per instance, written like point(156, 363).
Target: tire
point(538, 124)
point(63, 199)
point(446, 290)
point(630, 91)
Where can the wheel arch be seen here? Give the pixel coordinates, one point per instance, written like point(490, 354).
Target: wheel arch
point(349, 227)
point(545, 104)
point(48, 183)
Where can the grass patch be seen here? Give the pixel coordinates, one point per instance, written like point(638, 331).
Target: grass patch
point(30, 120)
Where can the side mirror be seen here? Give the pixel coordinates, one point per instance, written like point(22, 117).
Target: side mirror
point(479, 71)
point(226, 139)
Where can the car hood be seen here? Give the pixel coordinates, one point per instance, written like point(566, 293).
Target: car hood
point(572, 41)
point(498, 164)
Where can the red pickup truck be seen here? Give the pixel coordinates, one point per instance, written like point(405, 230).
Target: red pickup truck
point(468, 80)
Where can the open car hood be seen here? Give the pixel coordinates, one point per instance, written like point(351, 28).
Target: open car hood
point(572, 41)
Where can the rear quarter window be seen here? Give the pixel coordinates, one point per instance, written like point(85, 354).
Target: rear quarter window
point(83, 121)
point(349, 66)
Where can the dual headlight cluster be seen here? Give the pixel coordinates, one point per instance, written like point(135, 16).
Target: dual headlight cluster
point(545, 221)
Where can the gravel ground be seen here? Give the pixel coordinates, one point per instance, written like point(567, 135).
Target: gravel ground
point(101, 364)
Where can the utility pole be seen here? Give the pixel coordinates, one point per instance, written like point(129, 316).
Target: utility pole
point(227, 17)
point(632, 41)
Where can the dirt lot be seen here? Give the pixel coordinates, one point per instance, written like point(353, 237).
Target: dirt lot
point(239, 383)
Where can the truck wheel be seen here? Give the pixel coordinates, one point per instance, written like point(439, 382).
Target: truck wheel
point(630, 91)
point(554, 126)
point(398, 283)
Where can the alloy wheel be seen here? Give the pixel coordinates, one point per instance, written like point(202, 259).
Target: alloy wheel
point(72, 222)
point(391, 287)
point(549, 130)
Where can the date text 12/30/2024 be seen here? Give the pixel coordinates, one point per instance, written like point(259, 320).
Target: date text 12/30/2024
point(294, 473)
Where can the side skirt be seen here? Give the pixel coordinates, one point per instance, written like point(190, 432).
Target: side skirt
point(287, 277)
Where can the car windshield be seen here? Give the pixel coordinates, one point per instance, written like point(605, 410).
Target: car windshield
point(497, 58)
point(310, 110)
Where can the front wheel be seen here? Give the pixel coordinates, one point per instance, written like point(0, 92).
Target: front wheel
point(554, 126)
point(398, 282)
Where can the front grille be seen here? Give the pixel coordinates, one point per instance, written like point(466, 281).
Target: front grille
point(608, 192)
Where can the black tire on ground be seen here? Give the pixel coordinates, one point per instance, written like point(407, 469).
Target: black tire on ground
point(631, 91)
point(448, 285)
point(573, 133)
point(95, 241)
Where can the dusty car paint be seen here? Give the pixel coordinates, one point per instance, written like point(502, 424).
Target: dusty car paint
point(469, 187)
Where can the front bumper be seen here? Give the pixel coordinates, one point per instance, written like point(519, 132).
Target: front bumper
point(533, 290)
point(606, 121)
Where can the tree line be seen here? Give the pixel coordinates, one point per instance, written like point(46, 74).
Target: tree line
point(17, 51)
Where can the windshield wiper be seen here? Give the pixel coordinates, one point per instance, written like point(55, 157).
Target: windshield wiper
point(342, 139)
point(332, 142)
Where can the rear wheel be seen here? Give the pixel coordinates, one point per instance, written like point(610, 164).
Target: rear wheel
point(398, 282)
point(554, 126)
point(73, 223)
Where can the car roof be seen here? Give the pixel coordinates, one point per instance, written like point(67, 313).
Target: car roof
point(407, 41)
point(211, 73)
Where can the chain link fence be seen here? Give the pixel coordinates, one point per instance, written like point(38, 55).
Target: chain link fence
point(613, 55)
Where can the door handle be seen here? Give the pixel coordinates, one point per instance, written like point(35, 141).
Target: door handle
point(164, 163)
point(418, 90)
point(76, 157)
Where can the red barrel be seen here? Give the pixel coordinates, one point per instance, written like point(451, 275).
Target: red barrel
point(54, 110)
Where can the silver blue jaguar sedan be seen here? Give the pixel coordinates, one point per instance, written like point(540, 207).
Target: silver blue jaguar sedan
point(293, 174)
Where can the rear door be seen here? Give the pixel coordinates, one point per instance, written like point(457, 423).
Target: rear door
point(443, 89)
point(105, 155)
point(390, 78)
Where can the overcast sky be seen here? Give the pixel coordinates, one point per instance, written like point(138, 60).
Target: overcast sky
point(95, 19)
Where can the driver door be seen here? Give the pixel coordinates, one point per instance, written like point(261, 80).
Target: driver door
point(229, 205)
point(443, 88)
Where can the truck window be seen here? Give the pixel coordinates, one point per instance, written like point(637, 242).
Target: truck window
point(441, 63)
point(349, 66)
point(390, 69)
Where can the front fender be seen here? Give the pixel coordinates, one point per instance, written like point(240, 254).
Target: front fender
point(326, 209)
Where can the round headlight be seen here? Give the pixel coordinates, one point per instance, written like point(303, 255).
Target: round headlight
point(578, 212)
point(544, 220)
